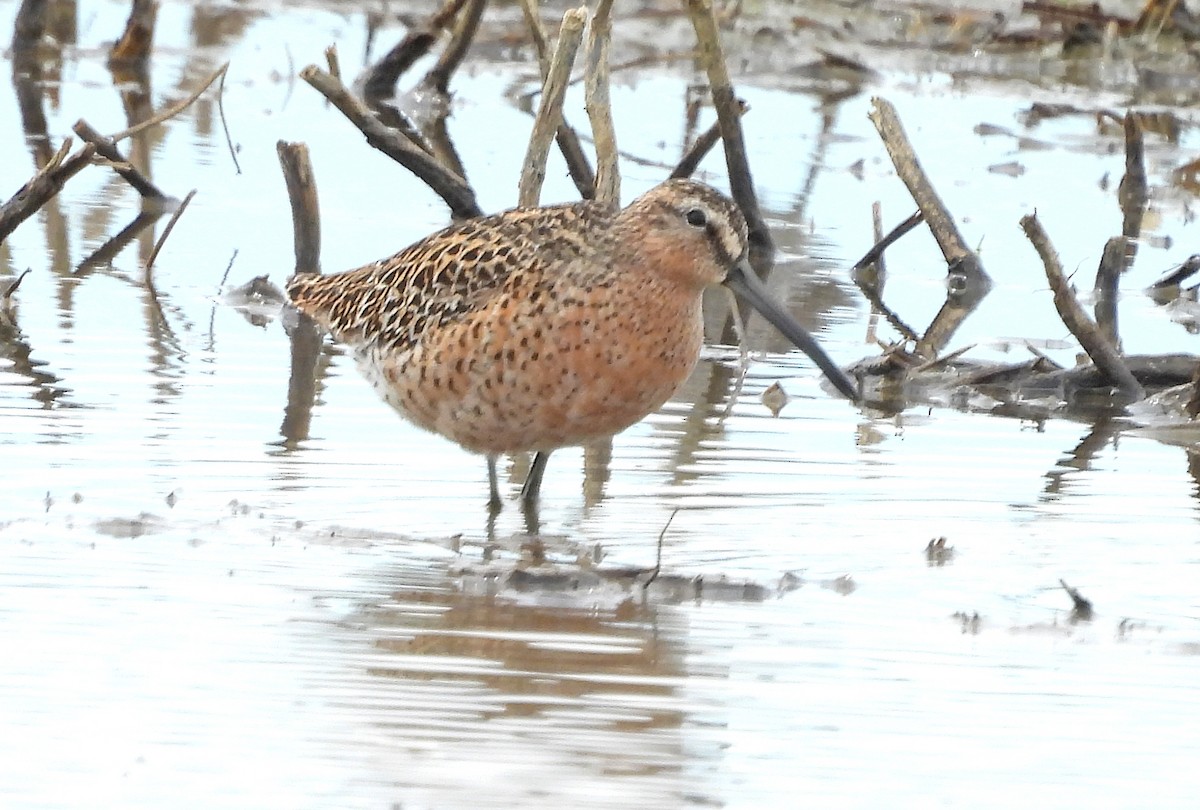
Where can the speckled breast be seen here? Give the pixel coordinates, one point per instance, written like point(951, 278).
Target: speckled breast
point(509, 378)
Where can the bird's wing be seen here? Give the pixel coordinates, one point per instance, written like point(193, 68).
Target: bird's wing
point(442, 278)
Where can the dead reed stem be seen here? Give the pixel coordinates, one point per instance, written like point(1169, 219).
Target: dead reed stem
point(549, 115)
point(599, 108)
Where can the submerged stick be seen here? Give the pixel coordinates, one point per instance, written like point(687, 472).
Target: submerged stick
point(549, 115)
point(162, 240)
point(42, 187)
point(170, 112)
point(449, 186)
point(599, 108)
point(306, 210)
point(908, 167)
point(740, 182)
point(1102, 353)
point(108, 150)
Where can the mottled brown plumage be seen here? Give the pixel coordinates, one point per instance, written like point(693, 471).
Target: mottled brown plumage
point(537, 328)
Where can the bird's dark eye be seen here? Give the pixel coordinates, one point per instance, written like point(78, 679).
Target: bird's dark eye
point(697, 218)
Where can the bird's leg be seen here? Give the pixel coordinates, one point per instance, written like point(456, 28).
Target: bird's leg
point(494, 502)
point(533, 481)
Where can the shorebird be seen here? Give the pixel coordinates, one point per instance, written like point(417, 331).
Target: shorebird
point(540, 328)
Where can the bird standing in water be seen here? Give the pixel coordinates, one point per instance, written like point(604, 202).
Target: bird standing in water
point(540, 328)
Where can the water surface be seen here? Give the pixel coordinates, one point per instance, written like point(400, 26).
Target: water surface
point(200, 612)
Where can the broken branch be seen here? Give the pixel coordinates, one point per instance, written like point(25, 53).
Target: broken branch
point(449, 186)
point(1102, 353)
point(49, 180)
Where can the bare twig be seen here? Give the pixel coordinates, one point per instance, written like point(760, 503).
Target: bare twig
point(740, 181)
point(449, 186)
point(163, 239)
point(549, 116)
point(702, 146)
point(170, 112)
point(43, 186)
point(13, 286)
point(106, 149)
point(599, 108)
point(1179, 274)
point(306, 212)
point(657, 569)
point(331, 60)
point(938, 362)
point(451, 57)
point(969, 283)
point(1102, 353)
point(224, 125)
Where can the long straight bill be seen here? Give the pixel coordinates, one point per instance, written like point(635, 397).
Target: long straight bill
point(744, 282)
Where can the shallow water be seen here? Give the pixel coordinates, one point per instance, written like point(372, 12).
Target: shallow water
point(200, 612)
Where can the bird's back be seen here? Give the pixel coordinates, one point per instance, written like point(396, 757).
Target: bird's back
point(442, 278)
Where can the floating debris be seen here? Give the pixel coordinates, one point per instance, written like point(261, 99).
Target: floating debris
point(775, 398)
point(971, 622)
point(937, 553)
point(1082, 608)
